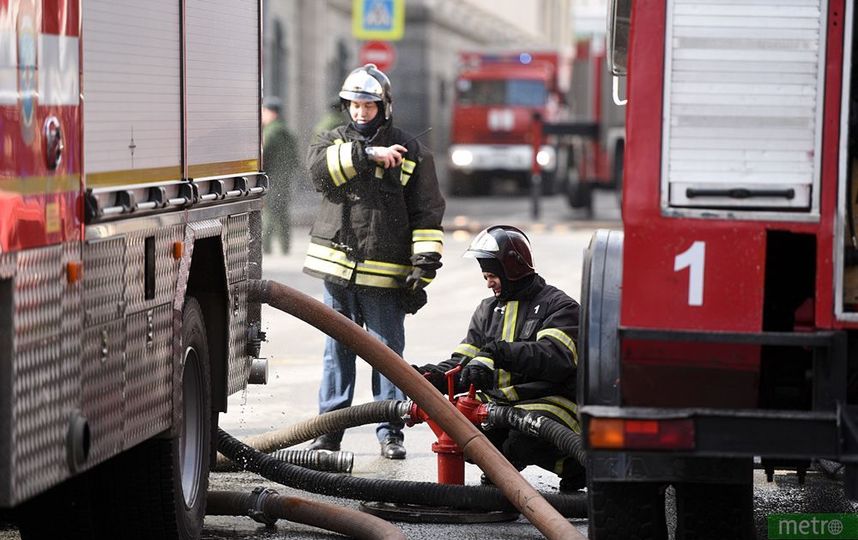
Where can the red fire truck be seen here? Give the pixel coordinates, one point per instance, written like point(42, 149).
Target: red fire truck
point(597, 152)
point(130, 197)
point(720, 327)
point(497, 96)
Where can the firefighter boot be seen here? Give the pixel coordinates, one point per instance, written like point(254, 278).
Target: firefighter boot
point(573, 477)
point(392, 447)
point(329, 441)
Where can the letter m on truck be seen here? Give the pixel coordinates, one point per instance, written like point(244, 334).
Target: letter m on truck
point(130, 197)
point(720, 328)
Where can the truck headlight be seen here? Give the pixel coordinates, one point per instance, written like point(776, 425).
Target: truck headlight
point(543, 157)
point(462, 158)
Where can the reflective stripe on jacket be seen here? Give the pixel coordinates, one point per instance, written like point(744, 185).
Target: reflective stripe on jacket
point(371, 220)
point(539, 372)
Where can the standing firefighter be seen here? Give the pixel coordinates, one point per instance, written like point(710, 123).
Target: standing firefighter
point(520, 350)
point(377, 238)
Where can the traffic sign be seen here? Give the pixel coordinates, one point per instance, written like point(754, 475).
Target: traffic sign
point(378, 19)
point(382, 54)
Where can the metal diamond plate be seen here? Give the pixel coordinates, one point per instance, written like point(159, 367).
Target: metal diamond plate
point(104, 280)
point(102, 387)
point(206, 228)
point(148, 374)
point(8, 264)
point(38, 289)
point(237, 240)
point(239, 361)
point(166, 266)
point(45, 367)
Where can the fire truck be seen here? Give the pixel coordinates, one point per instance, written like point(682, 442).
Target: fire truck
point(598, 123)
point(498, 97)
point(130, 198)
point(720, 327)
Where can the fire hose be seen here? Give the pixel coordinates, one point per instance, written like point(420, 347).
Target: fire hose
point(474, 444)
point(483, 498)
point(266, 506)
point(354, 416)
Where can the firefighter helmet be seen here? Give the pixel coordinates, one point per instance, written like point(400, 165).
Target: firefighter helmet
point(507, 245)
point(368, 83)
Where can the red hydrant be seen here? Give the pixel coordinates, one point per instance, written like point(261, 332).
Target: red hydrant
point(451, 460)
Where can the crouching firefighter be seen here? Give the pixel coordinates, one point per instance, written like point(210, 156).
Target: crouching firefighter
point(520, 351)
point(376, 240)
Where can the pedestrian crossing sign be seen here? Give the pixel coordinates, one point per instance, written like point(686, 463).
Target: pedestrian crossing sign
point(382, 20)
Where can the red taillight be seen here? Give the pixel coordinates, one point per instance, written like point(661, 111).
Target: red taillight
point(618, 433)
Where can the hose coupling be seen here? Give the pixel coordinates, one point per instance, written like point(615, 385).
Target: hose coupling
point(258, 497)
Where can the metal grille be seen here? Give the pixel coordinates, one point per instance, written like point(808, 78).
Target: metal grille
point(742, 99)
point(102, 387)
point(104, 280)
point(148, 375)
point(237, 240)
point(239, 361)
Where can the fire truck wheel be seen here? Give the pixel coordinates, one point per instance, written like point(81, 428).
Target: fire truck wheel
point(167, 477)
point(626, 510)
point(580, 195)
point(697, 505)
point(190, 449)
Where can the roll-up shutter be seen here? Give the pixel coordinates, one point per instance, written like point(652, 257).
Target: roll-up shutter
point(743, 104)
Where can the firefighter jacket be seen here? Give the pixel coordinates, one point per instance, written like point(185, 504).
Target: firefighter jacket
point(373, 223)
point(538, 368)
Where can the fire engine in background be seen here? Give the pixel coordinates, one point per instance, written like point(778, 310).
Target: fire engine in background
point(497, 96)
point(597, 152)
point(130, 197)
point(722, 324)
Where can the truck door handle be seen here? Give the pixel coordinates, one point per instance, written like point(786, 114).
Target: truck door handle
point(740, 193)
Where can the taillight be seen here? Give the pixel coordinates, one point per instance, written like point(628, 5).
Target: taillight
point(619, 433)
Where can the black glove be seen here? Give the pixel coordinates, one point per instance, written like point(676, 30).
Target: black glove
point(412, 300)
point(498, 351)
point(477, 374)
point(425, 267)
point(434, 373)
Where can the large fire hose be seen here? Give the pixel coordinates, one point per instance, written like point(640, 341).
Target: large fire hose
point(357, 415)
point(266, 506)
point(474, 444)
point(482, 498)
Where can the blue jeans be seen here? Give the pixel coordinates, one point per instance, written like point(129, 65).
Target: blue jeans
point(379, 310)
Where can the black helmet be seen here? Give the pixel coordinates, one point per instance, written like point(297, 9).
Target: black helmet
point(508, 246)
point(368, 83)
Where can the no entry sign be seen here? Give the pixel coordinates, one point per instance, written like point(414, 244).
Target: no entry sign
point(380, 53)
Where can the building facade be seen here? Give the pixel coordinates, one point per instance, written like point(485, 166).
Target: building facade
point(309, 49)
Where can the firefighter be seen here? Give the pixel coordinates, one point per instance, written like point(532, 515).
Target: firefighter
point(376, 240)
point(519, 350)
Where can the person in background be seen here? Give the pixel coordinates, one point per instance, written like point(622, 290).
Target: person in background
point(520, 351)
point(333, 118)
point(376, 240)
point(280, 161)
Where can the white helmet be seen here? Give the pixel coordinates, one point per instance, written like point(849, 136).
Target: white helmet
point(368, 83)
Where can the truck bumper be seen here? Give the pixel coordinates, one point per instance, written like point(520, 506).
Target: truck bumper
point(500, 157)
point(723, 434)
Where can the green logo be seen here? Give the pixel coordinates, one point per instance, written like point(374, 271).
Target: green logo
point(815, 526)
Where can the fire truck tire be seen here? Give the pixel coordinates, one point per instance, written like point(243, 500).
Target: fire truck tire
point(599, 362)
point(626, 511)
point(190, 450)
point(698, 503)
point(580, 195)
point(168, 477)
